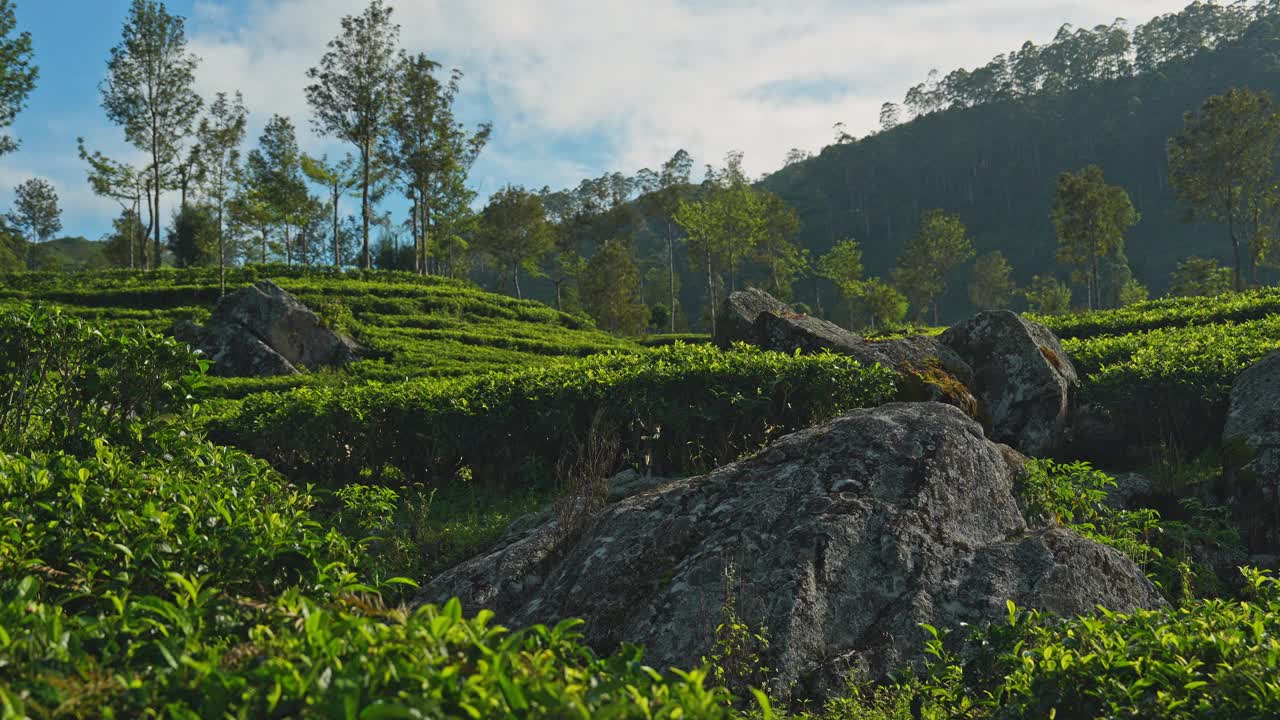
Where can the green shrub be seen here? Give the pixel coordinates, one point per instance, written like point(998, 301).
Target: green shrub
point(65, 384)
point(680, 408)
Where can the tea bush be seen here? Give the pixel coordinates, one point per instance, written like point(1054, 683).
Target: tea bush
point(411, 326)
point(65, 384)
point(194, 581)
point(681, 408)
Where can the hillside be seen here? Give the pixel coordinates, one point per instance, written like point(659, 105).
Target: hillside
point(412, 326)
point(995, 165)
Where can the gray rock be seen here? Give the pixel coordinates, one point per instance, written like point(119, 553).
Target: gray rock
point(262, 330)
point(631, 482)
point(843, 538)
point(927, 369)
point(1251, 442)
point(1023, 379)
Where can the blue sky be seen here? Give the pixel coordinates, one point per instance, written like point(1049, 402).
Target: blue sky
point(575, 88)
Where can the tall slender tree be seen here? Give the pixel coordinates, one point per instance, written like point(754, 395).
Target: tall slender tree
point(672, 179)
point(1091, 218)
point(274, 171)
point(353, 94)
point(35, 212)
point(338, 179)
point(941, 244)
point(1222, 158)
point(126, 185)
point(220, 135)
point(514, 232)
point(432, 151)
point(843, 267)
point(149, 90)
point(17, 72)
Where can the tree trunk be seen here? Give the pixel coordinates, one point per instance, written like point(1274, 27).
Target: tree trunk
point(1235, 245)
point(418, 255)
point(671, 266)
point(711, 295)
point(155, 218)
point(222, 257)
point(515, 276)
point(364, 210)
point(337, 252)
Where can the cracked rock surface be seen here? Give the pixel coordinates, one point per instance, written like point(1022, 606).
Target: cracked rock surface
point(262, 330)
point(843, 539)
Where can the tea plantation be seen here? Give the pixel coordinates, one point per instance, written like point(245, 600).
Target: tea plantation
point(412, 326)
point(161, 557)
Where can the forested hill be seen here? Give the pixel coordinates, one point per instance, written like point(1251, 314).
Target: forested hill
point(996, 163)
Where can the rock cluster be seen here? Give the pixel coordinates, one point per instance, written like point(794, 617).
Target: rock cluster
point(1010, 373)
point(842, 539)
point(262, 330)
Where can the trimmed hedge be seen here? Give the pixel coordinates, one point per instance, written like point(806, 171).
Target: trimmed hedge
point(680, 408)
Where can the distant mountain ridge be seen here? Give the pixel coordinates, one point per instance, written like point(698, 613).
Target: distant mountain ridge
point(995, 164)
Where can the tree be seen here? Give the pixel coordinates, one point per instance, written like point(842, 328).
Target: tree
point(611, 290)
point(219, 136)
point(776, 248)
point(796, 155)
point(939, 246)
point(127, 234)
point(1220, 162)
point(149, 91)
point(991, 285)
point(338, 178)
point(127, 186)
point(194, 239)
point(1133, 292)
point(274, 175)
point(673, 177)
point(843, 266)
point(35, 211)
point(432, 151)
point(1090, 218)
point(514, 232)
point(1048, 296)
point(1199, 276)
point(883, 304)
point(724, 225)
point(353, 93)
point(890, 116)
point(17, 73)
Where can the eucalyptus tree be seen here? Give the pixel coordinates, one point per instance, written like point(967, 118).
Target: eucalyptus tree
point(353, 94)
point(1220, 163)
point(35, 212)
point(514, 231)
point(274, 173)
point(17, 72)
point(220, 135)
point(432, 151)
point(1090, 218)
point(149, 91)
point(126, 185)
point(338, 178)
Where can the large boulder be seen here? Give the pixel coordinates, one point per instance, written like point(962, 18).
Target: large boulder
point(927, 370)
point(262, 330)
point(1251, 442)
point(1022, 377)
point(842, 539)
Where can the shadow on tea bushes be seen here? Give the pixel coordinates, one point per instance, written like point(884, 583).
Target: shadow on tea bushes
point(679, 409)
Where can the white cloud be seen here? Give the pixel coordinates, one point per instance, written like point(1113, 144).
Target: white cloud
point(576, 88)
point(639, 80)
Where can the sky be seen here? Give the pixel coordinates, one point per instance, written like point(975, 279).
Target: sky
point(574, 88)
